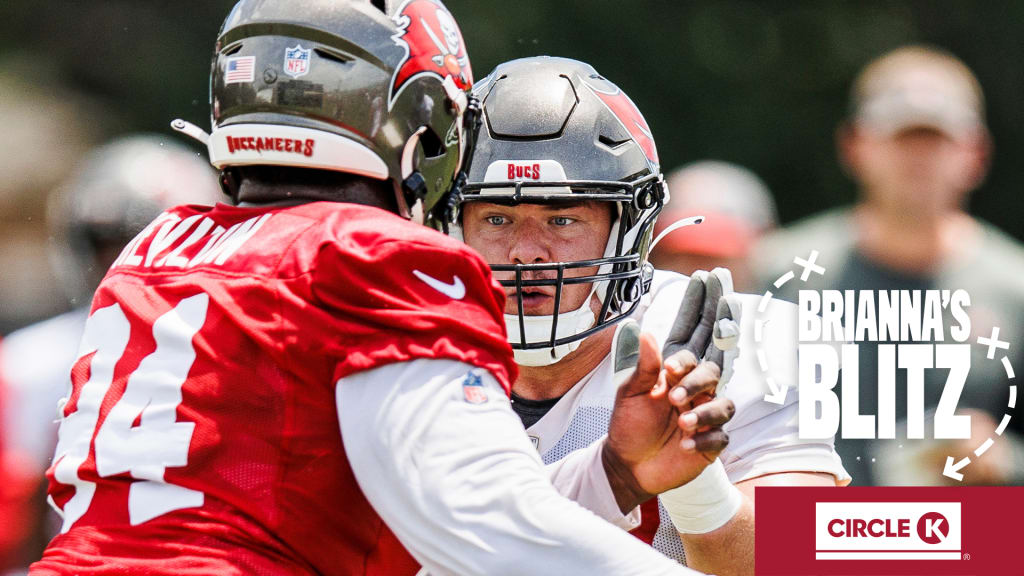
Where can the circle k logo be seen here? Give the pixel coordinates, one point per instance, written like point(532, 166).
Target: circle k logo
point(888, 530)
point(932, 528)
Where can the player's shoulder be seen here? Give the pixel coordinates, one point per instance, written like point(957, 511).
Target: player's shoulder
point(372, 232)
point(778, 317)
point(666, 285)
point(383, 261)
point(767, 323)
point(767, 350)
point(998, 259)
point(829, 233)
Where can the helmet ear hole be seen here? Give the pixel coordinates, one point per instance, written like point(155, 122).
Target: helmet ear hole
point(431, 143)
point(229, 182)
point(380, 5)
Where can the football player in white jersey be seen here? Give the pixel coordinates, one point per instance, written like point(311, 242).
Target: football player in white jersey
point(563, 193)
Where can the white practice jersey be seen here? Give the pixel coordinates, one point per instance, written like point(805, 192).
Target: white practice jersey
point(35, 365)
point(763, 437)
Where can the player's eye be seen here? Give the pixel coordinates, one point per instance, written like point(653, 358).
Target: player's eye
point(496, 220)
point(562, 220)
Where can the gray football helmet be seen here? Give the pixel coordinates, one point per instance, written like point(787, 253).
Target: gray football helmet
point(372, 88)
point(555, 130)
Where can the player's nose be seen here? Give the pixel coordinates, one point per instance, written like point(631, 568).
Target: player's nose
point(528, 244)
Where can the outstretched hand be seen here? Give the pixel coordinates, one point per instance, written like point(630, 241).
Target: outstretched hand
point(701, 343)
point(667, 423)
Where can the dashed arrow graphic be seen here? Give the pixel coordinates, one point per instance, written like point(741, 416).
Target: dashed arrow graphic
point(777, 392)
point(953, 470)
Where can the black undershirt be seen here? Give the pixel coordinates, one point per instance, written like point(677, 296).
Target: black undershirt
point(530, 411)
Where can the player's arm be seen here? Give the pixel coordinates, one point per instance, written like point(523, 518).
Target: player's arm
point(460, 485)
point(645, 451)
point(765, 450)
point(730, 549)
point(715, 520)
point(590, 479)
point(785, 479)
point(725, 551)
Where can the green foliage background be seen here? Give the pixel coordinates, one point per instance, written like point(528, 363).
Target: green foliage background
point(761, 83)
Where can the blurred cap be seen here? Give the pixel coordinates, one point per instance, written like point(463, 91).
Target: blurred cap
point(112, 195)
point(918, 87)
point(737, 208)
point(121, 186)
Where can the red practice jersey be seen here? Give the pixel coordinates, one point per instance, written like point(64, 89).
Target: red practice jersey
point(201, 435)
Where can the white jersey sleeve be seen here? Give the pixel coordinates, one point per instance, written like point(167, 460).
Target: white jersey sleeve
point(458, 482)
point(763, 436)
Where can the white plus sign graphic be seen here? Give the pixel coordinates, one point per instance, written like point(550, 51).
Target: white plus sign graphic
point(809, 266)
point(993, 343)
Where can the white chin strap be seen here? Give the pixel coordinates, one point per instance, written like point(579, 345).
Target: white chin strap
point(538, 329)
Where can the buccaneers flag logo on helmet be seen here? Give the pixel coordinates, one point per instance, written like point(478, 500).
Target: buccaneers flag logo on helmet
point(627, 113)
point(433, 46)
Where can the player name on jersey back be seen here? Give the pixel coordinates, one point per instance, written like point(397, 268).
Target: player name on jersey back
point(176, 242)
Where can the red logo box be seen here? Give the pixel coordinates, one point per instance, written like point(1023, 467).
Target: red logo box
point(890, 531)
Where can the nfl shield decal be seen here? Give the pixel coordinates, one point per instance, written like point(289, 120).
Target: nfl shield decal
point(296, 61)
point(473, 389)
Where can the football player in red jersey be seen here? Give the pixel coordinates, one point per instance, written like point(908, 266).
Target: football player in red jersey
point(91, 216)
point(229, 349)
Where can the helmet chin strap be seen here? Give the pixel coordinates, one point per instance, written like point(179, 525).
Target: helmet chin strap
point(538, 328)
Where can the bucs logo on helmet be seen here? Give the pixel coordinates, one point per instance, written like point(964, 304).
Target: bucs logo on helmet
point(627, 113)
point(433, 46)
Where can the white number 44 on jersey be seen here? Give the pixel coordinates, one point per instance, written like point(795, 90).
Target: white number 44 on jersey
point(151, 396)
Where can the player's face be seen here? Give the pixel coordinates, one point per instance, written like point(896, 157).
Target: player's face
point(537, 234)
point(919, 169)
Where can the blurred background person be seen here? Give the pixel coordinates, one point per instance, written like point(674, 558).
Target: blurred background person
point(737, 208)
point(47, 127)
point(116, 191)
point(916, 144)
